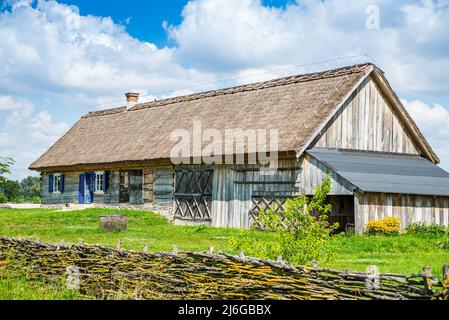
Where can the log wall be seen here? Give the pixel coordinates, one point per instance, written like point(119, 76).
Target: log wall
point(111, 196)
point(157, 188)
point(163, 185)
point(70, 194)
point(148, 185)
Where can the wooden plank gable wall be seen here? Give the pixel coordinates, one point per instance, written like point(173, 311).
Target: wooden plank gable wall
point(366, 122)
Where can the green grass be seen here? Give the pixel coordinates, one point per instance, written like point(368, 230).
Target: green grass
point(19, 288)
point(144, 228)
point(400, 254)
point(405, 254)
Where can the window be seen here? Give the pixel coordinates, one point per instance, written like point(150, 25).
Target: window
point(99, 182)
point(57, 183)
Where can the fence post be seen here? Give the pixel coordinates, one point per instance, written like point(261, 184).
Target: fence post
point(175, 249)
point(61, 244)
point(446, 281)
point(145, 249)
point(211, 250)
point(427, 276)
point(372, 281)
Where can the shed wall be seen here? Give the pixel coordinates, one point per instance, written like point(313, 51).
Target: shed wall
point(314, 172)
point(408, 208)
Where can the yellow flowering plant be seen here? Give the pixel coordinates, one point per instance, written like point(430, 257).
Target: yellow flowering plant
point(387, 226)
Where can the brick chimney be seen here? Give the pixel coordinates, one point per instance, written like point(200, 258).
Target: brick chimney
point(132, 97)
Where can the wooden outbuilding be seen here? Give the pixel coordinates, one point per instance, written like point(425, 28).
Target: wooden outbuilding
point(346, 122)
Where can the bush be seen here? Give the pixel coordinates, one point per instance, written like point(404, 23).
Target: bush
point(388, 226)
point(301, 235)
point(422, 228)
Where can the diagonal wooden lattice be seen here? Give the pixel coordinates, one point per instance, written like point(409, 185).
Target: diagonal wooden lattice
point(193, 193)
point(265, 203)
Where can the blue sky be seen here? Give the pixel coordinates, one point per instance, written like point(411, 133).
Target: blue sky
point(61, 59)
point(145, 17)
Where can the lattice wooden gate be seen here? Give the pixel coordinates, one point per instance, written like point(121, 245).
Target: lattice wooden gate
point(262, 203)
point(342, 216)
point(193, 193)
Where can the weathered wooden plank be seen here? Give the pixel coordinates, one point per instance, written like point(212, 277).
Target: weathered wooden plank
point(366, 122)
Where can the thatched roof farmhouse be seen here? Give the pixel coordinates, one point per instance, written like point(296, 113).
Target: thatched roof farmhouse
point(347, 122)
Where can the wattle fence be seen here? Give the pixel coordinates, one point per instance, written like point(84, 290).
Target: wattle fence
point(106, 273)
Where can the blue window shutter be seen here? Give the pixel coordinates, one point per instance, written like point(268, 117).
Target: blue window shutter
point(61, 184)
point(50, 183)
point(105, 175)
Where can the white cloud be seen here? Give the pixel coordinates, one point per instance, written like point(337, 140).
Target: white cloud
point(411, 44)
point(52, 48)
point(10, 103)
point(26, 132)
point(433, 121)
point(65, 62)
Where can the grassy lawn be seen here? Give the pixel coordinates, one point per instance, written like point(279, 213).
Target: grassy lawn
point(144, 228)
point(402, 254)
point(405, 254)
point(19, 288)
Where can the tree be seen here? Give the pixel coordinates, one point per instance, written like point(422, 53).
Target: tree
point(5, 163)
point(30, 188)
point(11, 189)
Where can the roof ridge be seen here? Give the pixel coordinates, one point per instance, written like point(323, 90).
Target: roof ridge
point(105, 112)
point(241, 88)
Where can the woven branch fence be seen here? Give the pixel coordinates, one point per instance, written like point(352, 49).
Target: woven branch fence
point(106, 273)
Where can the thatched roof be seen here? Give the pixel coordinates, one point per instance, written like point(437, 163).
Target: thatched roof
point(296, 106)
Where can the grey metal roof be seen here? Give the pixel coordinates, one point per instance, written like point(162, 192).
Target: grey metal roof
point(385, 172)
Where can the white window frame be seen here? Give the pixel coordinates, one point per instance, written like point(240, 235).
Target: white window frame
point(99, 178)
point(56, 183)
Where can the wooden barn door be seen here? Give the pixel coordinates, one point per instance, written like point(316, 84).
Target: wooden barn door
point(193, 193)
